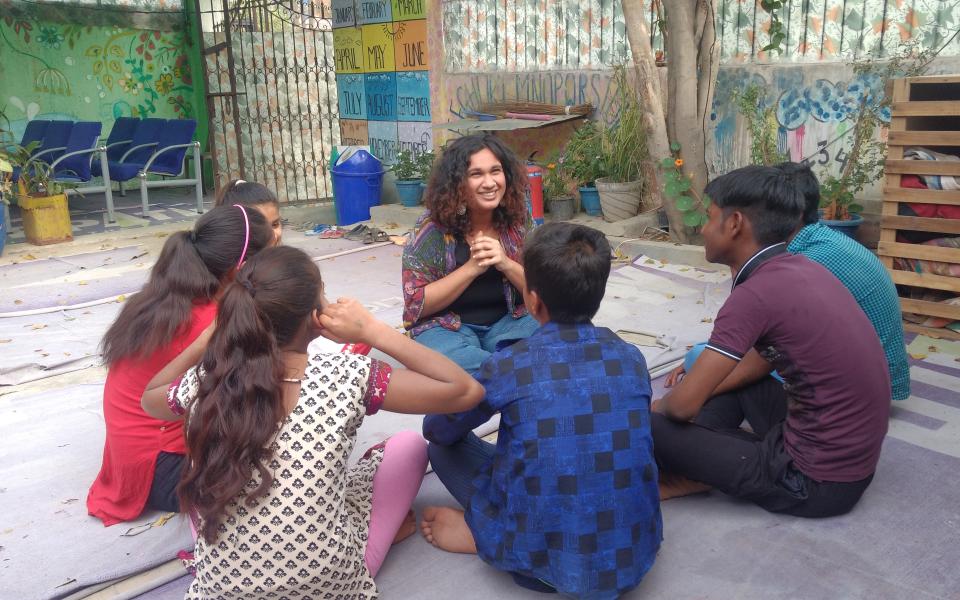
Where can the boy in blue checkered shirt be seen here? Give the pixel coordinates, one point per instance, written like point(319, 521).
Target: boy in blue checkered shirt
point(567, 500)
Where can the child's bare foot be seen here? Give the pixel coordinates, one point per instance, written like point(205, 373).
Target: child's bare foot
point(407, 528)
point(446, 529)
point(674, 486)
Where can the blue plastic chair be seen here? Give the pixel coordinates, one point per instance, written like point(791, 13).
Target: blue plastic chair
point(169, 160)
point(121, 136)
point(54, 143)
point(34, 132)
point(143, 143)
point(74, 164)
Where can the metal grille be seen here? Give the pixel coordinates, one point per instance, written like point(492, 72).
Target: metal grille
point(271, 93)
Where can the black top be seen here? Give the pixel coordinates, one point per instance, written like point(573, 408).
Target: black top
point(483, 302)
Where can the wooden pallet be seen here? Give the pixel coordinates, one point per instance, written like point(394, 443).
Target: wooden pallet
point(929, 123)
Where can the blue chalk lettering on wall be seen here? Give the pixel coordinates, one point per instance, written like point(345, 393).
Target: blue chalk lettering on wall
point(352, 96)
point(384, 140)
point(373, 11)
point(381, 91)
point(413, 96)
point(343, 13)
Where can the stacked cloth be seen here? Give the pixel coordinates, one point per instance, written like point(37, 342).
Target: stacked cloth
point(934, 182)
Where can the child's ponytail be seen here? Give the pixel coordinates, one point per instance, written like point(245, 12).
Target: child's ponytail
point(239, 406)
point(191, 268)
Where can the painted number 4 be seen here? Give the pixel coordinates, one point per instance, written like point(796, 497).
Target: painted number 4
point(841, 157)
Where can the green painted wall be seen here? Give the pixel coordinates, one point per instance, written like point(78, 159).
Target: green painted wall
point(61, 66)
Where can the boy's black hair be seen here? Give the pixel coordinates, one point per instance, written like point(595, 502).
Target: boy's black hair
point(809, 186)
point(766, 195)
point(567, 265)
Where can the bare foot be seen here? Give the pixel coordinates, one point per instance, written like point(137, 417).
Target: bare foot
point(407, 528)
point(674, 486)
point(446, 529)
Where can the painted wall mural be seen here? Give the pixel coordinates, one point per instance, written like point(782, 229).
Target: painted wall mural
point(383, 83)
point(53, 69)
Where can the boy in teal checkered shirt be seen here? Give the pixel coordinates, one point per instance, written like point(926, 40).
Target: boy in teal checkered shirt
point(859, 270)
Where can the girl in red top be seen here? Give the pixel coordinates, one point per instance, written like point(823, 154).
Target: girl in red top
point(143, 456)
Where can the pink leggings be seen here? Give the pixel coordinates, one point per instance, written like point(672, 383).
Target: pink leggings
point(395, 485)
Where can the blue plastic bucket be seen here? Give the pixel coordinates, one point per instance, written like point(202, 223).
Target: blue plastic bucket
point(410, 192)
point(590, 201)
point(357, 181)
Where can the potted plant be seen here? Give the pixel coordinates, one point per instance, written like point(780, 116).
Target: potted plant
point(838, 208)
point(43, 205)
point(583, 162)
point(559, 201)
point(623, 152)
point(411, 170)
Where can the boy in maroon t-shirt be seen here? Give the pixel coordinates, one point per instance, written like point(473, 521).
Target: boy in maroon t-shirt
point(815, 440)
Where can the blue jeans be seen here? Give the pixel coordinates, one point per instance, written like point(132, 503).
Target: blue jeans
point(472, 344)
point(456, 466)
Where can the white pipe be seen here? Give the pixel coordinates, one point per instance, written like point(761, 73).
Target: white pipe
point(53, 309)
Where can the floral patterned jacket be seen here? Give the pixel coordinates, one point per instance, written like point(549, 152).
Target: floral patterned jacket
point(430, 256)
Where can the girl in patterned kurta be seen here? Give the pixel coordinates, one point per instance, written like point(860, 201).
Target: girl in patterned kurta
point(270, 429)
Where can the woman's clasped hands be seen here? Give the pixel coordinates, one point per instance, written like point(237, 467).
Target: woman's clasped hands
point(488, 252)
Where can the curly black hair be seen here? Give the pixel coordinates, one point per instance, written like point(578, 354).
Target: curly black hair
point(447, 187)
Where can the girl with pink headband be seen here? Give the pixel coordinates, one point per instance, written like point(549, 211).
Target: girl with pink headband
point(143, 456)
point(253, 195)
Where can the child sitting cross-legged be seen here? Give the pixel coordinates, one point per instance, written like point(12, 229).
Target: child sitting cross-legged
point(567, 499)
point(815, 439)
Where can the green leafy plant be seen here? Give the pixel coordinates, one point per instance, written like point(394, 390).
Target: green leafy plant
point(410, 166)
point(867, 153)
point(762, 122)
point(777, 35)
point(406, 168)
point(36, 176)
point(582, 158)
point(678, 190)
point(617, 151)
point(624, 144)
point(425, 162)
point(554, 181)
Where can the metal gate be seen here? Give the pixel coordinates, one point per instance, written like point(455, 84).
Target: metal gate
point(271, 93)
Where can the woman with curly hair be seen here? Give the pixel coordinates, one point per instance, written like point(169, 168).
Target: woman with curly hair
point(462, 278)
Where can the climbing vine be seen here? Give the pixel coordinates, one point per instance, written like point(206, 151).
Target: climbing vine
point(777, 35)
point(677, 189)
point(762, 122)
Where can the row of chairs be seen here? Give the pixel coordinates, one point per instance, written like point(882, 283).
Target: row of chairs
point(134, 148)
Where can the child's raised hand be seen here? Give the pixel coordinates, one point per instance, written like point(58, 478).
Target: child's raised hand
point(347, 321)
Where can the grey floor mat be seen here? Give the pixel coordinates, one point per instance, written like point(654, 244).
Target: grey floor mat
point(900, 542)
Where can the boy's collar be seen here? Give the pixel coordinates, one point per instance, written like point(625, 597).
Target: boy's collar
point(758, 259)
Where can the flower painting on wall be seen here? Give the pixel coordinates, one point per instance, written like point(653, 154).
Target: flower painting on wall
point(56, 69)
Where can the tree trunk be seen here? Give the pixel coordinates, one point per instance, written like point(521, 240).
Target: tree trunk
point(689, 89)
point(648, 82)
